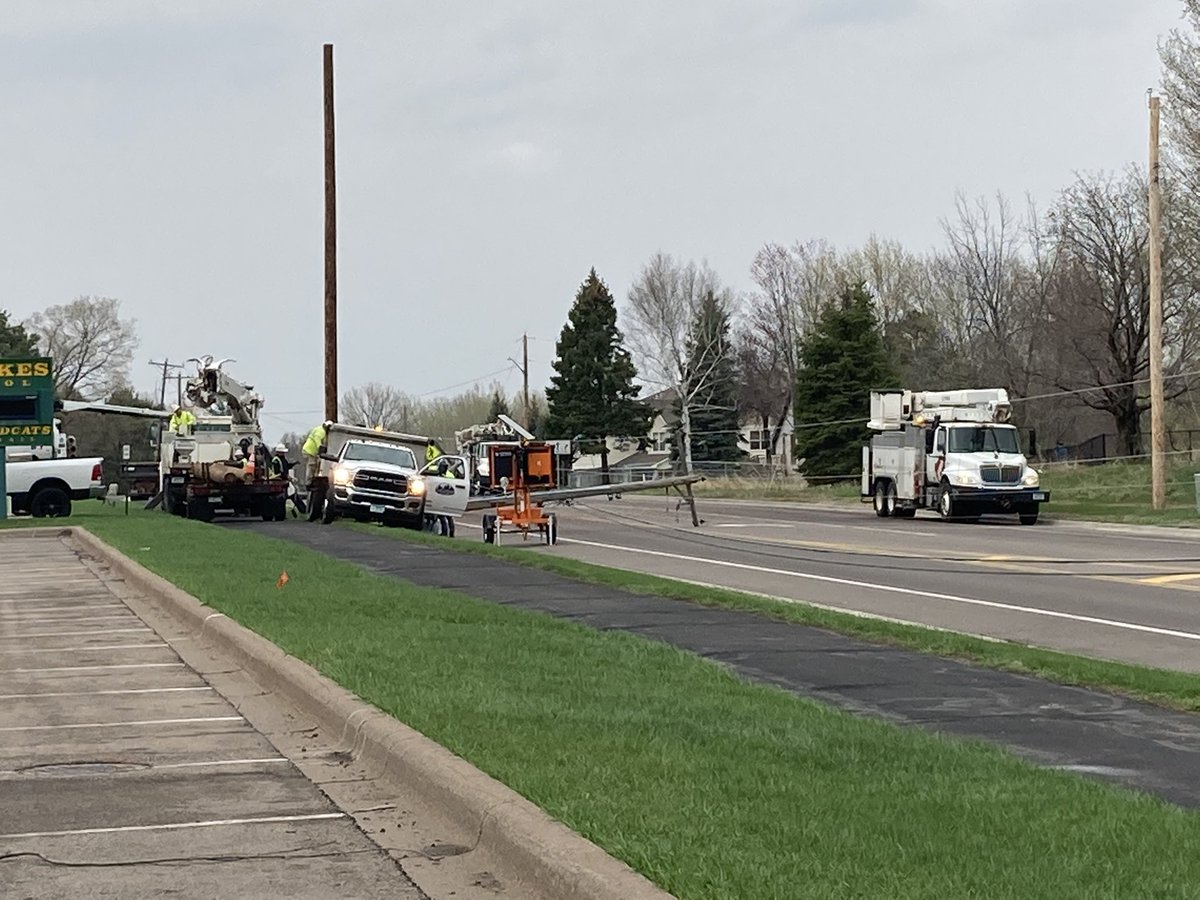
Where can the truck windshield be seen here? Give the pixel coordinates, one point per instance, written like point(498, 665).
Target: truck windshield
point(981, 440)
point(392, 456)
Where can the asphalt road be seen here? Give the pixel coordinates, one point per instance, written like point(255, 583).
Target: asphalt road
point(1117, 592)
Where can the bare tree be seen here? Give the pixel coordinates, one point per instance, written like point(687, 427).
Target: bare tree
point(377, 404)
point(90, 343)
point(1102, 304)
point(665, 303)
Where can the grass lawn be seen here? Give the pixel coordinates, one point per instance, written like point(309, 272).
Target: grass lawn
point(711, 786)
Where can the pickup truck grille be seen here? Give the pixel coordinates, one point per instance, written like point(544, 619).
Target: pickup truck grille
point(1000, 474)
point(380, 481)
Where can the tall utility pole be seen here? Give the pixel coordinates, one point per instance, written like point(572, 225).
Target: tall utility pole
point(331, 362)
point(166, 365)
point(1158, 490)
point(525, 373)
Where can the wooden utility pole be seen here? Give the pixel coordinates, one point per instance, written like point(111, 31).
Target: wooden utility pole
point(525, 372)
point(331, 361)
point(1158, 490)
point(167, 365)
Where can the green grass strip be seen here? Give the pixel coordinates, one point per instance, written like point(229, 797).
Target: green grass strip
point(711, 786)
point(1177, 690)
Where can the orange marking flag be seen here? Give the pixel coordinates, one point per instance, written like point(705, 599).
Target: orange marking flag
point(283, 579)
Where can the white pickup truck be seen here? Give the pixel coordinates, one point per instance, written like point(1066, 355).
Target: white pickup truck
point(42, 481)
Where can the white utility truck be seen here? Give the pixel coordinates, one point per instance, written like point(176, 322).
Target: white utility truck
point(953, 451)
point(42, 481)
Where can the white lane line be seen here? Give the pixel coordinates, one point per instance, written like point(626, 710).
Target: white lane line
point(168, 690)
point(156, 646)
point(163, 665)
point(208, 823)
point(188, 721)
point(45, 634)
point(755, 525)
point(971, 601)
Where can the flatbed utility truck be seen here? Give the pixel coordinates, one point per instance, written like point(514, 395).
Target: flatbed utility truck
point(952, 451)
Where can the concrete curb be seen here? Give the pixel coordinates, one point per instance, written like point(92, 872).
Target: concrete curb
point(541, 850)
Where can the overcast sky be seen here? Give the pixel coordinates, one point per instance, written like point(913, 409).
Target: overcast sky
point(170, 154)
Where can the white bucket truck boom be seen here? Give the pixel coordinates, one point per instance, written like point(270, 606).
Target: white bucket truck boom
point(953, 451)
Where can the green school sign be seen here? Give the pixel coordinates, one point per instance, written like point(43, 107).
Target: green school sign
point(26, 402)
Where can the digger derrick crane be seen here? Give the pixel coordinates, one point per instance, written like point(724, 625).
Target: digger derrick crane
point(213, 389)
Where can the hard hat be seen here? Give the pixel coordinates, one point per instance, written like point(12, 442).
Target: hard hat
point(281, 448)
point(328, 423)
point(177, 408)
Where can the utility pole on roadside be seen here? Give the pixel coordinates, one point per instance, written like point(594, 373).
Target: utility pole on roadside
point(525, 374)
point(1158, 489)
point(523, 366)
point(167, 365)
point(331, 361)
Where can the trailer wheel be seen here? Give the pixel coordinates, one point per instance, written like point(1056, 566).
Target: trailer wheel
point(881, 498)
point(947, 507)
point(489, 529)
point(551, 529)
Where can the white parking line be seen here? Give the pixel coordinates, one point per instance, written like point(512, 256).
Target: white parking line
point(21, 637)
point(970, 601)
point(222, 762)
point(96, 668)
point(189, 721)
point(209, 823)
point(167, 690)
point(156, 646)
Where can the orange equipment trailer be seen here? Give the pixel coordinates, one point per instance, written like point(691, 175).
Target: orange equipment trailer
point(521, 469)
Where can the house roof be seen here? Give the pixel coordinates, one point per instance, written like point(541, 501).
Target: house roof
point(643, 459)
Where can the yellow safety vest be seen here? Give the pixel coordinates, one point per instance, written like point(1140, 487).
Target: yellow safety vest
point(314, 441)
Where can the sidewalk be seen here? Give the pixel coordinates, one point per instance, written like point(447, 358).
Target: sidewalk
point(1099, 735)
point(123, 773)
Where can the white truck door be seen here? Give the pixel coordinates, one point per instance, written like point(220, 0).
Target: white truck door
point(447, 488)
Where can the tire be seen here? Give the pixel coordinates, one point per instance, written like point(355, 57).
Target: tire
point(50, 503)
point(551, 529)
point(947, 507)
point(276, 510)
point(414, 523)
point(1029, 515)
point(489, 529)
point(328, 512)
point(200, 510)
point(880, 498)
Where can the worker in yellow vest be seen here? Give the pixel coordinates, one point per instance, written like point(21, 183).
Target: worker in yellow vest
point(314, 446)
point(182, 420)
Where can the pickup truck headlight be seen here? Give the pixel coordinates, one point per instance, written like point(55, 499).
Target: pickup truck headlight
point(342, 475)
point(1031, 478)
point(965, 479)
point(416, 486)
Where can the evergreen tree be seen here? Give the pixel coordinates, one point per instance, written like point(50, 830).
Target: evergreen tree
point(15, 341)
point(592, 392)
point(710, 385)
point(499, 406)
point(841, 361)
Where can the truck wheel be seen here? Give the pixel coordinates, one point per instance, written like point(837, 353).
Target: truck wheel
point(881, 499)
point(947, 507)
point(1028, 515)
point(199, 509)
point(50, 502)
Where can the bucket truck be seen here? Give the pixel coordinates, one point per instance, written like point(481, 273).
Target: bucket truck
point(953, 451)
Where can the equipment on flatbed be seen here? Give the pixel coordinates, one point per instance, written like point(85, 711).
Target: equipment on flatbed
point(953, 451)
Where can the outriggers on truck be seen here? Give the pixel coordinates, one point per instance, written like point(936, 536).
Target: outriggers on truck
point(953, 451)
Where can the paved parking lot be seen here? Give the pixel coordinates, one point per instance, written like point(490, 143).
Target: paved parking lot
point(123, 773)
